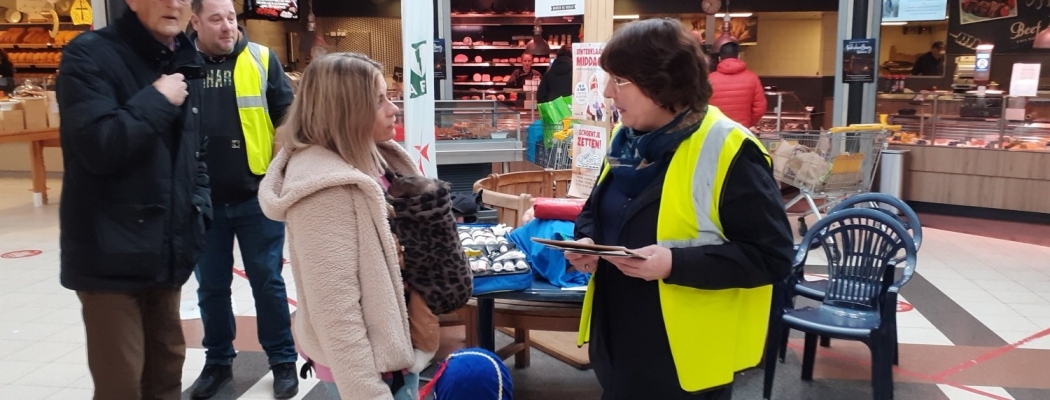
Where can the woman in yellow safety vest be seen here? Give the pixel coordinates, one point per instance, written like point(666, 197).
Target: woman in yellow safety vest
point(694, 193)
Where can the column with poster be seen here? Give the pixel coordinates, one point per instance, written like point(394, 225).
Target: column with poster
point(417, 27)
point(593, 115)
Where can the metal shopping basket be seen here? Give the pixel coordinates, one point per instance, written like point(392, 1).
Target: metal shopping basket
point(828, 165)
point(555, 150)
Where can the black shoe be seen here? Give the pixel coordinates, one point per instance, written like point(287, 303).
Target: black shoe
point(285, 382)
point(211, 379)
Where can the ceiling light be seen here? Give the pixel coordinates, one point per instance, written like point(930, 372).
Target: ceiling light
point(620, 17)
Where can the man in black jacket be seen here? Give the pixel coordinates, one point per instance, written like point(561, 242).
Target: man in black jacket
point(557, 82)
point(930, 63)
point(135, 197)
point(239, 151)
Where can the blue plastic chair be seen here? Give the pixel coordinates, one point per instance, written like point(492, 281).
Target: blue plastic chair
point(815, 289)
point(858, 304)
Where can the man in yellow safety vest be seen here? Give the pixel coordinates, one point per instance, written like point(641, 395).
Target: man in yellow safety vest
point(245, 95)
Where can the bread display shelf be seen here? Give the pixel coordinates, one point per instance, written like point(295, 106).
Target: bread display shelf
point(30, 46)
point(43, 66)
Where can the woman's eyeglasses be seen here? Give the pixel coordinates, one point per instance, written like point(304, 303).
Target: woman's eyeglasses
point(618, 81)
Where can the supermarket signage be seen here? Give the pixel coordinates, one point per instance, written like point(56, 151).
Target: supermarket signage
point(558, 8)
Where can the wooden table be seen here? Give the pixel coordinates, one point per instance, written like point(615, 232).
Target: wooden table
point(542, 307)
point(38, 140)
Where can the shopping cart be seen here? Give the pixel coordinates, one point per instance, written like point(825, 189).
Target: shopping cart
point(828, 165)
point(555, 150)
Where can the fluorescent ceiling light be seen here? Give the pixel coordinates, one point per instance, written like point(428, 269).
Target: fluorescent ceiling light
point(733, 15)
point(894, 23)
point(633, 16)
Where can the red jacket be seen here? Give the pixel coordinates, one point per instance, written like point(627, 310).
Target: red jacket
point(738, 92)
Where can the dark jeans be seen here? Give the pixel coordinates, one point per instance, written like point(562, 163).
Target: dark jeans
point(262, 243)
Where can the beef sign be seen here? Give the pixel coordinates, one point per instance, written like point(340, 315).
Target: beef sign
point(1013, 26)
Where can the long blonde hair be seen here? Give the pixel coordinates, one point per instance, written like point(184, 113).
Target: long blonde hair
point(336, 109)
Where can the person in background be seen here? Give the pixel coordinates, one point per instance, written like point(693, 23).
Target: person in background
point(135, 197)
point(930, 63)
point(558, 81)
point(328, 185)
point(692, 192)
point(245, 94)
point(737, 91)
point(7, 73)
point(525, 73)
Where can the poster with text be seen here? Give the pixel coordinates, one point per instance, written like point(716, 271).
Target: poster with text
point(588, 155)
point(588, 83)
point(858, 60)
point(417, 27)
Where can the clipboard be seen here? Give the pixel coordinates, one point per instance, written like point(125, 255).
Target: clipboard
point(589, 249)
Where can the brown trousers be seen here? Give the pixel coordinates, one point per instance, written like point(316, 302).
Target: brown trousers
point(135, 345)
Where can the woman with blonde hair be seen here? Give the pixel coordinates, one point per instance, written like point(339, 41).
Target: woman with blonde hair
point(328, 185)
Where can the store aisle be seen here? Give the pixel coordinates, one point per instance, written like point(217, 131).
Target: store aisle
point(974, 324)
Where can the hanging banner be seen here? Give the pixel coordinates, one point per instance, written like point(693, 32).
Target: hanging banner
point(417, 35)
point(588, 155)
point(588, 101)
point(558, 8)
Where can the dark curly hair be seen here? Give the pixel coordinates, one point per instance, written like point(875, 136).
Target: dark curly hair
point(663, 60)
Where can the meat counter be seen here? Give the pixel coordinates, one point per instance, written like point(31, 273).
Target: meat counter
point(970, 151)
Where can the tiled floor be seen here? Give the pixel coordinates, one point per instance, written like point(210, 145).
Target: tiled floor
point(973, 325)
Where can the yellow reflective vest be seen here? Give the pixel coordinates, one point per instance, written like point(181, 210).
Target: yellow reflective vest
point(250, 75)
point(713, 333)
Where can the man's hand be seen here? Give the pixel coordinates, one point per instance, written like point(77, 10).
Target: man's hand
point(657, 266)
point(173, 87)
point(581, 262)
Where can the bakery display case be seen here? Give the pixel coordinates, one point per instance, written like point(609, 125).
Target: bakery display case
point(786, 114)
point(971, 121)
point(473, 132)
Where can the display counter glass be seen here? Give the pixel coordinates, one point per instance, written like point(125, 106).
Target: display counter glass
point(473, 131)
point(785, 113)
point(970, 121)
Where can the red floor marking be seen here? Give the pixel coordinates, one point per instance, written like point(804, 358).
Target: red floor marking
point(21, 254)
point(240, 273)
point(903, 306)
point(989, 355)
point(902, 371)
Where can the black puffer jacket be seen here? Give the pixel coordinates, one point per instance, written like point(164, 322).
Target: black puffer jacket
point(135, 193)
point(557, 82)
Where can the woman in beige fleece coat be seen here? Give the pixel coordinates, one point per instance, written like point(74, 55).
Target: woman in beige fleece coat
point(327, 184)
